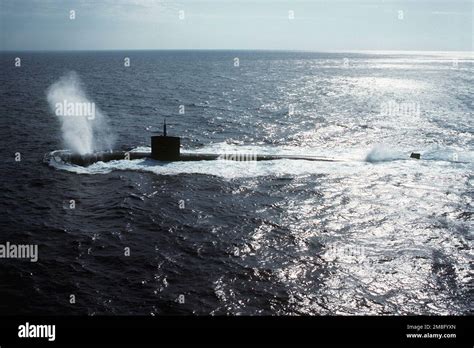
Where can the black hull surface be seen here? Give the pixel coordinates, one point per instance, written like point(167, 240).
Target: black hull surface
point(88, 159)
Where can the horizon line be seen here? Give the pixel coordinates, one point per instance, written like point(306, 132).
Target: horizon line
point(383, 51)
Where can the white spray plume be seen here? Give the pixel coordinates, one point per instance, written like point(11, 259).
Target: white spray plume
point(82, 132)
point(384, 153)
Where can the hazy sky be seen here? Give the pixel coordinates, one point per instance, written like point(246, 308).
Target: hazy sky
point(318, 25)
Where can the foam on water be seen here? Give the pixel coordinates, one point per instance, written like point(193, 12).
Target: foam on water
point(353, 160)
point(383, 153)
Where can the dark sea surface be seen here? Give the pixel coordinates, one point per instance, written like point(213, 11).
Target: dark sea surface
point(376, 234)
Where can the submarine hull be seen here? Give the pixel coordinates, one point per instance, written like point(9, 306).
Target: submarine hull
point(88, 159)
point(166, 148)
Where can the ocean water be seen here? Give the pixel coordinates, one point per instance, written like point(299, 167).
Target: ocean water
point(377, 233)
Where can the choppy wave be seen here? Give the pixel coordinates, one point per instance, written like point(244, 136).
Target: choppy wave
point(378, 233)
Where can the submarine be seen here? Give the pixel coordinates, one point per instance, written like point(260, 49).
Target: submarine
point(166, 148)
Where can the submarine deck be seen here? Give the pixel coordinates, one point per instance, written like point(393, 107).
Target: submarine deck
point(86, 160)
